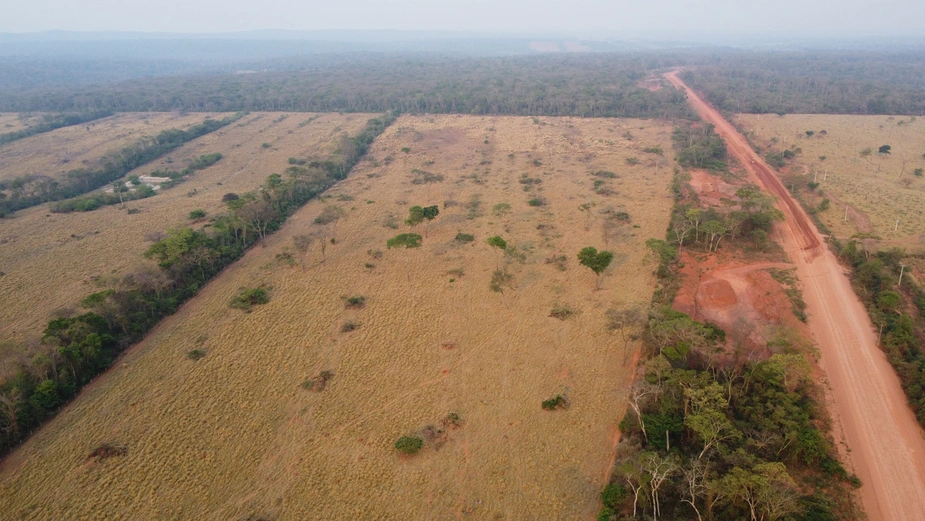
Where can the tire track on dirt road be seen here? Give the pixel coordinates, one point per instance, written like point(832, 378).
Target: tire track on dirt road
point(887, 449)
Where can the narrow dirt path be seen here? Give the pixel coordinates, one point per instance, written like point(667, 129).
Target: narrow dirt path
point(886, 444)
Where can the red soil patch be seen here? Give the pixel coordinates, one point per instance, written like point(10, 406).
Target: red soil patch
point(740, 297)
point(711, 189)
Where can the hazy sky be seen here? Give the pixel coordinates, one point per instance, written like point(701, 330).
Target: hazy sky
point(804, 17)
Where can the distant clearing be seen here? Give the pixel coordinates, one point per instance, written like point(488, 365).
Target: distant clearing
point(286, 413)
point(877, 188)
point(52, 261)
point(54, 153)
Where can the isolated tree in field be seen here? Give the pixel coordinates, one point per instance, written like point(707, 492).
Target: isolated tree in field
point(302, 243)
point(884, 149)
point(118, 188)
point(499, 246)
point(918, 172)
point(597, 261)
point(430, 213)
point(622, 320)
point(330, 215)
point(866, 153)
point(586, 208)
point(415, 216)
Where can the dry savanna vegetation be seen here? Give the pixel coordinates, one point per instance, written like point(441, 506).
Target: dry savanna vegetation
point(14, 121)
point(842, 154)
point(79, 253)
point(354, 380)
point(55, 153)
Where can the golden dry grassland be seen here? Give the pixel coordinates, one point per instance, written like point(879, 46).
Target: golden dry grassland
point(14, 121)
point(52, 261)
point(873, 187)
point(234, 434)
point(82, 146)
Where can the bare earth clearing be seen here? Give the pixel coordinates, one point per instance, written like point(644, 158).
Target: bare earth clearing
point(874, 187)
point(235, 435)
point(886, 444)
point(82, 146)
point(79, 253)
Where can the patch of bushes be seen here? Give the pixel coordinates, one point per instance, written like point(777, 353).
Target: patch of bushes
point(196, 354)
point(247, 298)
point(197, 214)
point(355, 302)
point(106, 451)
point(404, 240)
point(561, 311)
point(421, 177)
point(348, 326)
point(318, 383)
point(537, 201)
point(556, 402)
point(464, 237)
point(605, 174)
point(409, 444)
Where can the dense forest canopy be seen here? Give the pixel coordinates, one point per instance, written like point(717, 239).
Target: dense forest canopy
point(814, 83)
point(570, 84)
point(582, 85)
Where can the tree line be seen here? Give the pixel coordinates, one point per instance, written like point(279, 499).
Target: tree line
point(28, 191)
point(77, 348)
point(896, 307)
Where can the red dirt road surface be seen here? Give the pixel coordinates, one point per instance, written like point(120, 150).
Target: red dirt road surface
point(887, 449)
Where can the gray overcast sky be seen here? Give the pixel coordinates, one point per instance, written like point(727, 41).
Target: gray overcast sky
point(804, 17)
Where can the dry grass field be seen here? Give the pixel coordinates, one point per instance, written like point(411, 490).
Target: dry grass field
point(234, 435)
point(874, 187)
point(52, 261)
point(82, 146)
point(13, 121)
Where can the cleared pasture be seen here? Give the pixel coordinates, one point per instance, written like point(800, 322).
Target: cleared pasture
point(877, 188)
point(52, 261)
point(57, 152)
point(14, 121)
point(234, 434)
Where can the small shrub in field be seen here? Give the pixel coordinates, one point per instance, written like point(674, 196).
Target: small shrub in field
point(452, 421)
point(559, 261)
point(409, 444)
point(557, 402)
point(653, 150)
point(266, 145)
point(537, 201)
point(605, 174)
point(106, 451)
point(350, 325)
point(421, 177)
point(632, 161)
point(464, 237)
point(355, 302)
point(196, 354)
point(133, 211)
point(376, 254)
point(561, 311)
point(500, 279)
point(318, 383)
point(250, 297)
point(404, 240)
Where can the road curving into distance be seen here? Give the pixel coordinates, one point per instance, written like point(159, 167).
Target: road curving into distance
point(886, 444)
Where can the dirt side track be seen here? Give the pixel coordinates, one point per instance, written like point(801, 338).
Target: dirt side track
point(887, 449)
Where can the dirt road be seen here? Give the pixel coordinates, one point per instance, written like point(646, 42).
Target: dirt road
point(887, 449)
